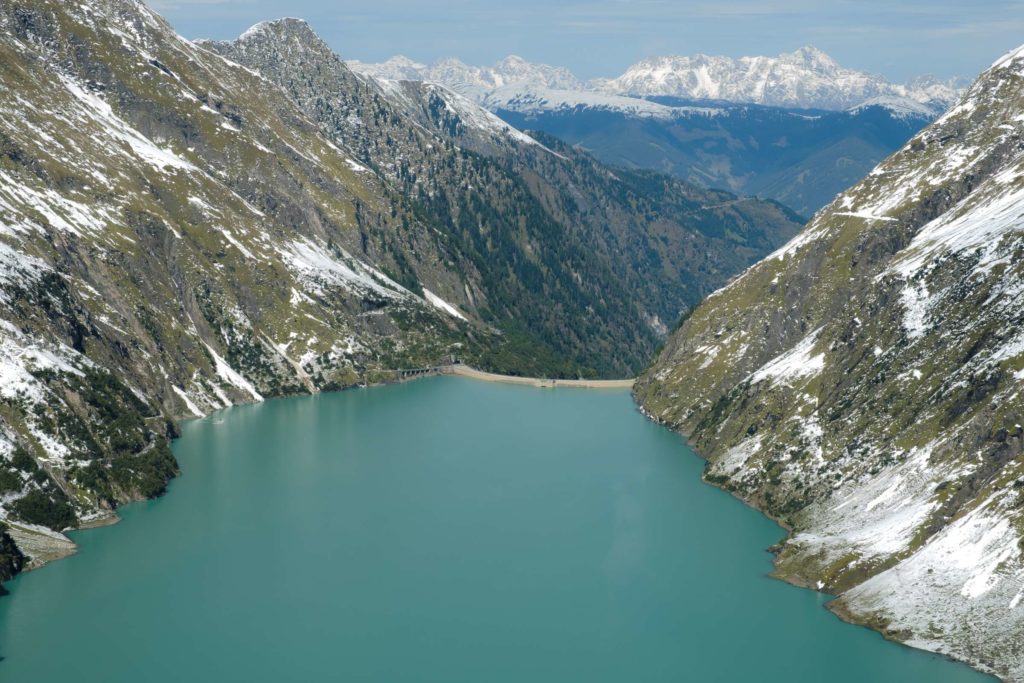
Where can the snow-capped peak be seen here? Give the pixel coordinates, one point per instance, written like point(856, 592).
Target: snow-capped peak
point(1009, 57)
point(263, 27)
point(806, 78)
point(811, 57)
point(397, 68)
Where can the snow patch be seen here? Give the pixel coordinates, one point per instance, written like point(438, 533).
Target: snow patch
point(318, 269)
point(232, 376)
point(141, 146)
point(794, 364)
point(192, 407)
point(443, 305)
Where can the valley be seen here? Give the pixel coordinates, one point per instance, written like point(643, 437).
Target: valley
point(800, 158)
point(812, 272)
point(181, 234)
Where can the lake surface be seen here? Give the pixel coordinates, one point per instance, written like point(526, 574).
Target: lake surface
point(443, 530)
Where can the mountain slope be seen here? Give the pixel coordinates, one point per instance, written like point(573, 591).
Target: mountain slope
point(176, 237)
point(864, 386)
point(569, 248)
point(800, 158)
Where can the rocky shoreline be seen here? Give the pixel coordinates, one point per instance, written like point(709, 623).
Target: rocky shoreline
point(835, 606)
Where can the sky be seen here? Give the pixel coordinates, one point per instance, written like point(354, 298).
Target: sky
point(898, 39)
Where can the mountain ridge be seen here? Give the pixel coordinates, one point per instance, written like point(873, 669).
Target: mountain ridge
point(799, 159)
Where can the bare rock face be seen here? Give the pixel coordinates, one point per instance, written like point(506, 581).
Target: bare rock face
point(11, 558)
point(864, 383)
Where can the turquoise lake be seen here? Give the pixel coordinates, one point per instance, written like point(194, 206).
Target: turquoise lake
point(442, 530)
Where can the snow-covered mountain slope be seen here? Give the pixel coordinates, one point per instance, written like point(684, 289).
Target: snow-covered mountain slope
point(865, 385)
point(900, 107)
point(806, 79)
point(533, 100)
point(478, 128)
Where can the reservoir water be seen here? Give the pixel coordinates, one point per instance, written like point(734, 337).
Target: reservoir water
point(443, 530)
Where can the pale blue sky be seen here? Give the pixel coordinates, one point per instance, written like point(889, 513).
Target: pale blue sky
point(896, 38)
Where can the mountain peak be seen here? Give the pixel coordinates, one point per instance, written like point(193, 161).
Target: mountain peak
point(396, 68)
point(402, 60)
point(450, 61)
point(474, 81)
point(511, 60)
point(813, 57)
point(805, 78)
point(1009, 57)
point(292, 25)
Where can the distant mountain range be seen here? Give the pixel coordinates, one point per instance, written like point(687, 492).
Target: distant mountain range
point(797, 157)
point(797, 128)
point(804, 79)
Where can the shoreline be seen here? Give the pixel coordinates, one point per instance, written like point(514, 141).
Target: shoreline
point(44, 547)
point(57, 548)
point(837, 609)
